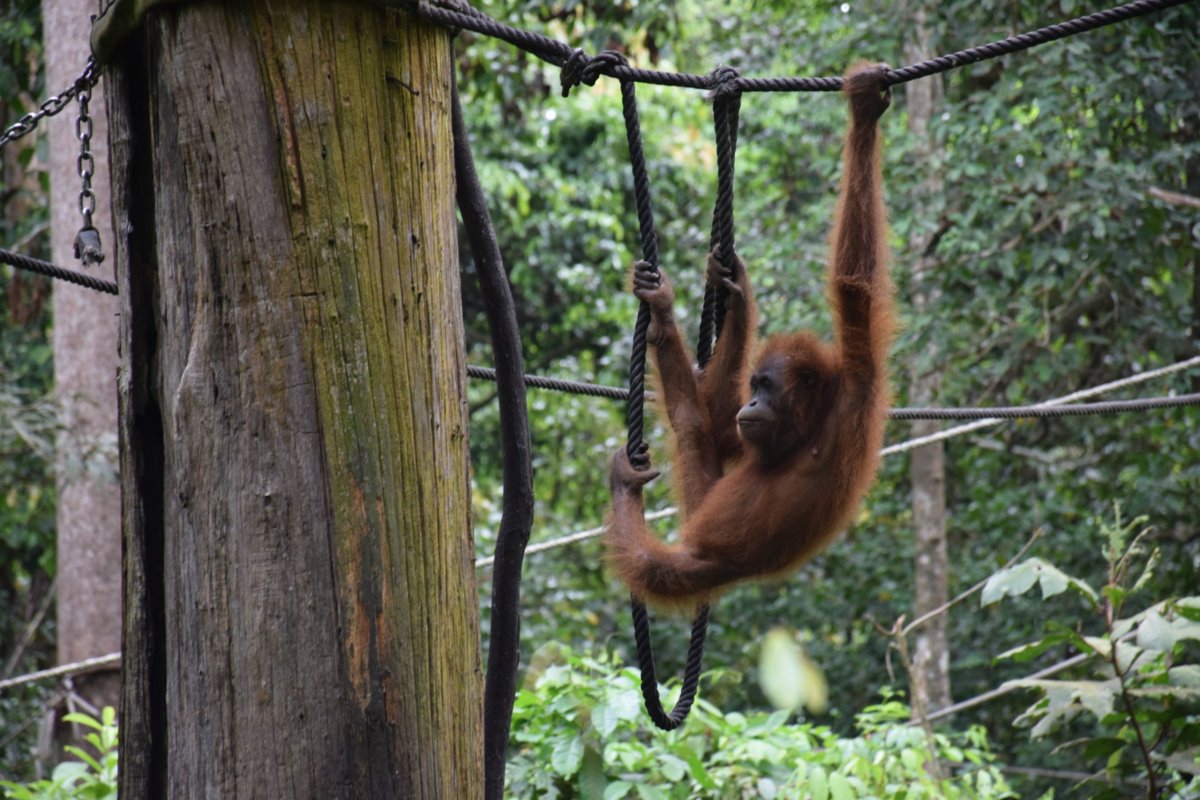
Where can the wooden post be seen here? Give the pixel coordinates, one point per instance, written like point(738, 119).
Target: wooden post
point(301, 614)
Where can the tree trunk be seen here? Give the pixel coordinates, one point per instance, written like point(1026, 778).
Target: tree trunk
point(301, 612)
point(927, 470)
point(85, 377)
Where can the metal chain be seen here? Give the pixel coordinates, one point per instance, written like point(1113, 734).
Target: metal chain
point(85, 162)
point(88, 248)
point(53, 105)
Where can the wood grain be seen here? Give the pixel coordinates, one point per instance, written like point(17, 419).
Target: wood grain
point(320, 633)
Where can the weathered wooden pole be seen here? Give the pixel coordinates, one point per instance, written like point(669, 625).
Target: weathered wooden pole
point(300, 599)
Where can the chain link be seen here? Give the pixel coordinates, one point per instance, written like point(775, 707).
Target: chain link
point(53, 105)
point(85, 163)
point(88, 248)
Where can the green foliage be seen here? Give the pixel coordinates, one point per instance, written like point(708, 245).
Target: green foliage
point(92, 777)
point(27, 417)
point(1054, 269)
point(1142, 693)
point(579, 731)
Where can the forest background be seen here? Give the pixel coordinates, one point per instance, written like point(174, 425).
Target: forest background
point(1041, 246)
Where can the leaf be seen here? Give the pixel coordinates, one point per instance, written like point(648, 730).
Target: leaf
point(567, 756)
point(1065, 699)
point(1148, 570)
point(698, 771)
point(789, 678)
point(592, 783)
point(605, 719)
point(1020, 578)
point(68, 772)
point(627, 704)
point(648, 792)
point(1187, 676)
point(1011, 582)
point(818, 784)
point(840, 788)
point(83, 756)
point(673, 768)
point(1030, 651)
point(83, 719)
point(1100, 645)
point(1156, 633)
point(617, 790)
point(1103, 747)
point(1188, 608)
point(16, 791)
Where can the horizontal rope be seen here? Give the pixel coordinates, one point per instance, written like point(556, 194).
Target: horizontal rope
point(1037, 411)
point(554, 384)
point(907, 445)
point(571, 538)
point(959, 430)
point(1044, 411)
point(58, 273)
point(559, 53)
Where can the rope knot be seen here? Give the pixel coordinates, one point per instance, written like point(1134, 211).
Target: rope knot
point(582, 68)
point(724, 82)
point(572, 70)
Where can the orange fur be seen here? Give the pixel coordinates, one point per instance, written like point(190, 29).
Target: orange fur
point(790, 492)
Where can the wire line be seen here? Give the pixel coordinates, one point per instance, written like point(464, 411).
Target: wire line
point(1046, 410)
point(960, 430)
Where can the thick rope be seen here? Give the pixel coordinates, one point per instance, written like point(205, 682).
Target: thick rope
point(562, 55)
point(58, 273)
point(726, 106)
point(1046, 412)
point(691, 672)
point(635, 444)
point(516, 519)
point(556, 385)
point(1091, 391)
point(1038, 411)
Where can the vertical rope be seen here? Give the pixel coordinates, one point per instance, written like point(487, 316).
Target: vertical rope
point(635, 445)
point(516, 518)
point(634, 414)
point(727, 101)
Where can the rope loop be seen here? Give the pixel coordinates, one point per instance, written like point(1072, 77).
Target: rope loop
point(635, 446)
point(691, 672)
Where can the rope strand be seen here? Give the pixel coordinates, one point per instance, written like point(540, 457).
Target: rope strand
point(560, 54)
point(1035, 411)
point(727, 103)
point(58, 273)
point(635, 445)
